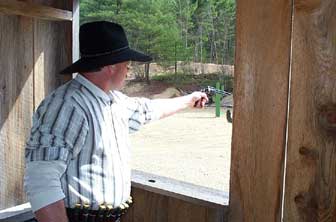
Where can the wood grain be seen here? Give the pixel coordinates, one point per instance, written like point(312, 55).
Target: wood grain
point(59, 4)
point(72, 35)
point(34, 10)
point(260, 94)
point(51, 54)
point(32, 53)
point(181, 211)
point(16, 99)
point(154, 207)
point(311, 170)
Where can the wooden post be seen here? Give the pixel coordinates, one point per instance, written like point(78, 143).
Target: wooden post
point(147, 73)
point(311, 163)
point(75, 30)
point(217, 100)
point(72, 34)
point(260, 109)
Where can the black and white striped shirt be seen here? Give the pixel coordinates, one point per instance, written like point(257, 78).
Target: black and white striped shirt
point(79, 145)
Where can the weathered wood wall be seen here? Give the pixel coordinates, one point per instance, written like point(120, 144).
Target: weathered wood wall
point(260, 95)
point(16, 103)
point(311, 162)
point(266, 71)
point(31, 54)
point(153, 207)
point(50, 54)
point(52, 50)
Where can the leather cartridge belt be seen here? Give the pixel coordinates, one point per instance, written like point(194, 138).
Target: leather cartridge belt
point(105, 213)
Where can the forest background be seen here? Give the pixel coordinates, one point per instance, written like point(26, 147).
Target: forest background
point(200, 31)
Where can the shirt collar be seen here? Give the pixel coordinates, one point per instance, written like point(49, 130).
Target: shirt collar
point(107, 97)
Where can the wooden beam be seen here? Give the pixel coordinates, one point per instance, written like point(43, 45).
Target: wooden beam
point(75, 30)
point(180, 189)
point(260, 109)
point(311, 162)
point(72, 36)
point(20, 212)
point(34, 10)
point(153, 207)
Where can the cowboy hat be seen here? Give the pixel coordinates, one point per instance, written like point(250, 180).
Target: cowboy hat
point(103, 43)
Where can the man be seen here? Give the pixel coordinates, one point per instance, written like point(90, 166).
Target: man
point(78, 155)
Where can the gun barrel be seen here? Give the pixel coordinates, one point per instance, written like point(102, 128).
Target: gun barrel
point(212, 91)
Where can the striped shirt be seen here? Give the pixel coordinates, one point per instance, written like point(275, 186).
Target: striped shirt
point(79, 146)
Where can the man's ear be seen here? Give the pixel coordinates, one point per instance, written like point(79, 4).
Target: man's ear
point(111, 69)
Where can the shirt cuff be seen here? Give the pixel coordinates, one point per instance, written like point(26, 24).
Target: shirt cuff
point(45, 198)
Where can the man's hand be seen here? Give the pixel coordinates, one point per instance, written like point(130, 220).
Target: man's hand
point(197, 99)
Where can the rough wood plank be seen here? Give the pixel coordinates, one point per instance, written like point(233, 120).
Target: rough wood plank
point(311, 166)
point(16, 99)
point(72, 35)
point(259, 124)
point(182, 190)
point(148, 207)
point(153, 207)
point(213, 214)
point(51, 55)
point(25, 44)
point(156, 206)
point(139, 206)
point(18, 213)
point(181, 211)
point(59, 4)
point(34, 10)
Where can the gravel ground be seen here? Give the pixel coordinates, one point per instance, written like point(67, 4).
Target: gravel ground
point(192, 146)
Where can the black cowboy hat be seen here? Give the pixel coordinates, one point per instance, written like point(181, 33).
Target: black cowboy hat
point(103, 43)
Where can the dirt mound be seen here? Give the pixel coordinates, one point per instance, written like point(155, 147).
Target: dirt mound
point(142, 89)
point(167, 93)
point(190, 68)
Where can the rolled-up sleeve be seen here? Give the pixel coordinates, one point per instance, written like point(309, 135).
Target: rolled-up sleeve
point(42, 182)
point(58, 133)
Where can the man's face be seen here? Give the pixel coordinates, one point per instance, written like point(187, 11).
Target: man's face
point(118, 74)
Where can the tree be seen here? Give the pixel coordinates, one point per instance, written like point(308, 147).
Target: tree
point(169, 30)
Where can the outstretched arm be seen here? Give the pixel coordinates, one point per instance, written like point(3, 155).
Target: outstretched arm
point(141, 111)
point(169, 107)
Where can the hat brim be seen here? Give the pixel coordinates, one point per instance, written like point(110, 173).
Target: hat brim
point(89, 63)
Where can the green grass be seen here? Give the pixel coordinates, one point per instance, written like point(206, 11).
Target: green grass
point(180, 80)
